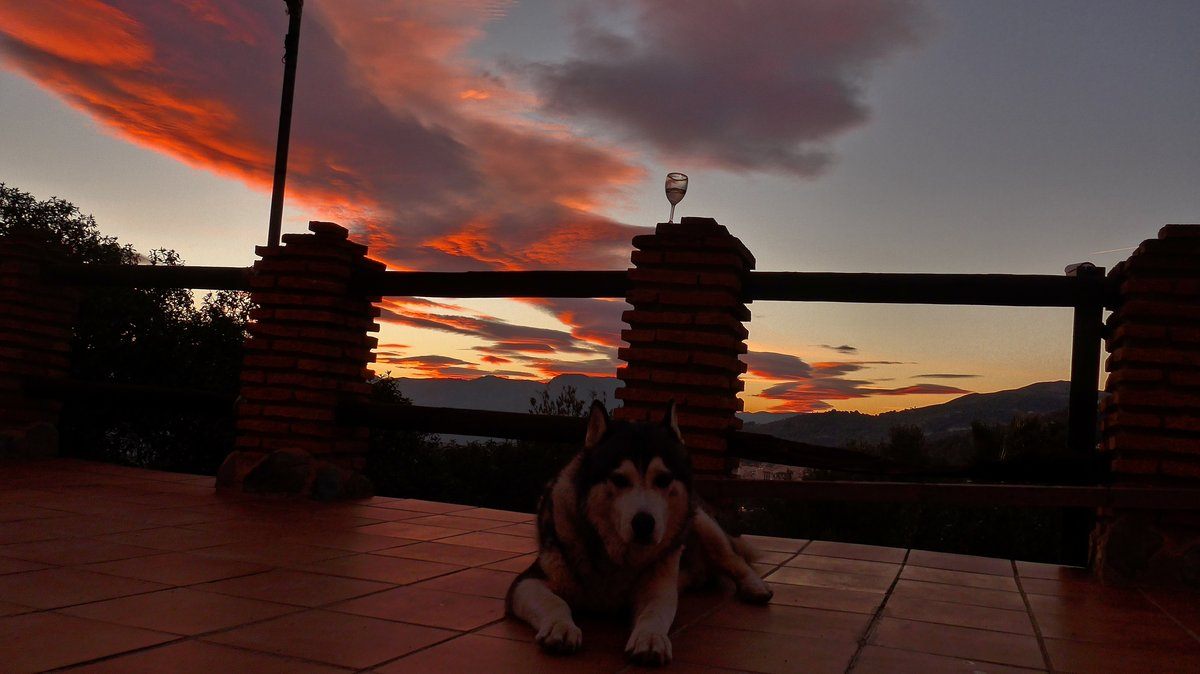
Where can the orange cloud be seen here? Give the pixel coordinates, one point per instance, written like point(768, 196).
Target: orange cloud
point(396, 132)
point(814, 395)
point(433, 366)
point(433, 159)
point(58, 27)
point(602, 367)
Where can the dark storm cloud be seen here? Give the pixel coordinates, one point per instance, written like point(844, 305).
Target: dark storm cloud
point(759, 85)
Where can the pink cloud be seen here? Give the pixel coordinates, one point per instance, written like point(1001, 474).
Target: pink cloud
point(776, 366)
point(434, 366)
point(602, 367)
point(115, 39)
point(383, 138)
point(597, 321)
point(814, 394)
point(436, 162)
point(809, 387)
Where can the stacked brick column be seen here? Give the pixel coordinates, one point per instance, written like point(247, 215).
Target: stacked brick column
point(307, 352)
point(685, 334)
point(35, 341)
point(1151, 418)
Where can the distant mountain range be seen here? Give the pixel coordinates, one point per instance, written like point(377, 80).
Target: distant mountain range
point(839, 428)
point(823, 428)
point(500, 394)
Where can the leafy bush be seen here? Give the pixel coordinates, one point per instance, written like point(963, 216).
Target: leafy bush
point(152, 337)
point(493, 473)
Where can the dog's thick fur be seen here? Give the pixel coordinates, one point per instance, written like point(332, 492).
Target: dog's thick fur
point(619, 529)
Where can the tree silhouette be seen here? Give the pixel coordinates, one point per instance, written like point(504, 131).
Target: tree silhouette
point(160, 337)
point(566, 404)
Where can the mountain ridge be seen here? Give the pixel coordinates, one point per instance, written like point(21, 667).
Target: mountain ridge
point(837, 428)
point(834, 428)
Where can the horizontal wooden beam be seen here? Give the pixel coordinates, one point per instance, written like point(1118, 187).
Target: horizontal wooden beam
point(768, 448)
point(1030, 290)
point(102, 393)
point(454, 421)
point(494, 283)
point(1027, 290)
point(968, 494)
point(151, 276)
point(523, 426)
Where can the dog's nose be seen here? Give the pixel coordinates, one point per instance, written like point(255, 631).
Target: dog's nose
point(643, 527)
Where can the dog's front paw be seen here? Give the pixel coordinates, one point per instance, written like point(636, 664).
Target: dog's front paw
point(753, 590)
point(560, 636)
point(648, 648)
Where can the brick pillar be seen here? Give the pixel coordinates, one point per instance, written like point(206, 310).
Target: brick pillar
point(307, 352)
point(35, 341)
point(1151, 417)
point(685, 334)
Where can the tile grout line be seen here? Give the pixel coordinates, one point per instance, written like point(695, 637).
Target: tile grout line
point(113, 656)
point(199, 637)
point(1170, 615)
point(623, 668)
point(1037, 630)
point(866, 636)
point(628, 667)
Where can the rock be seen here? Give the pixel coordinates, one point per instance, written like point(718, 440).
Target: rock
point(40, 440)
point(284, 471)
point(291, 471)
point(37, 441)
point(236, 467)
point(357, 485)
point(1127, 545)
point(333, 482)
point(327, 485)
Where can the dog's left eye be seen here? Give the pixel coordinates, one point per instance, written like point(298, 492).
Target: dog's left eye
point(663, 480)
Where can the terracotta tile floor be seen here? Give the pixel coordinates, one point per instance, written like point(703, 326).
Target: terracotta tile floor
point(111, 569)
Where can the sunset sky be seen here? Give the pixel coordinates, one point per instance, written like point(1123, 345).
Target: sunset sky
point(873, 135)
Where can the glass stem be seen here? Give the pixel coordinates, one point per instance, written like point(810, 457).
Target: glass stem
point(672, 218)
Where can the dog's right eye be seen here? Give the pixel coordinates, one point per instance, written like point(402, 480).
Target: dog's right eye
point(619, 481)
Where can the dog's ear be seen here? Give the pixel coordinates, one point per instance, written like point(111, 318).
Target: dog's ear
point(597, 424)
point(671, 422)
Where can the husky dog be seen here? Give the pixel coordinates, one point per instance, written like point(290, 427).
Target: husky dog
point(619, 529)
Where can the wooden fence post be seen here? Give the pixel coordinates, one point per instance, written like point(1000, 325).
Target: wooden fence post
point(1151, 418)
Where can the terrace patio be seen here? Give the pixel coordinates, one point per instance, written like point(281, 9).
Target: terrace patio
point(112, 569)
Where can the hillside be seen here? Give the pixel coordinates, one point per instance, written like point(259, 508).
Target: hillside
point(500, 394)
point(823, 428)
point(839, 428)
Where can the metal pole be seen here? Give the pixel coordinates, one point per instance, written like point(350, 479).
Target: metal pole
point(291, 45)
point(1082, 411)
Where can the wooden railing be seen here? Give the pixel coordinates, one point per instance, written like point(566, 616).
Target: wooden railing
point(1087, 292)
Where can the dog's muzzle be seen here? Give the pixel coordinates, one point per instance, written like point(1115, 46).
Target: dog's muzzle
point(643, 528)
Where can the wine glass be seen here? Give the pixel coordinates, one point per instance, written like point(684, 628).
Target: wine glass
point(676, 187)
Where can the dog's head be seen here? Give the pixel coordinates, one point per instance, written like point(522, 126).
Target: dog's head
point(635, 483)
